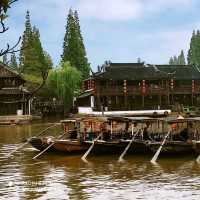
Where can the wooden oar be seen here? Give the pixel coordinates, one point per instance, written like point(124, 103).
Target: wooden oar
point(48, 147)
point(90, 149)
point(198, 158)
point(155, 157)
point(127, 147)
point(39, 134)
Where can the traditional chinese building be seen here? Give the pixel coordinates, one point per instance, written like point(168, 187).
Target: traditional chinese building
point(132, 86)
point(13, 94)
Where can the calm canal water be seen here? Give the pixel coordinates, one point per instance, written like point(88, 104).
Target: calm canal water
point(67, 177)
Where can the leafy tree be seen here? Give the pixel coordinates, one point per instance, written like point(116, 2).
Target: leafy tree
point(83, 61)
point(180, 60)
point(4, 6)
point(73, 46)
point(33, 59)
point(13, 61)
point(194, 50)
point(175, 60)
point(171, 61)
point(65, 81)
point(26, 50)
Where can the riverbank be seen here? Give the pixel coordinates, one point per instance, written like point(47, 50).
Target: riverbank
point(17, 119)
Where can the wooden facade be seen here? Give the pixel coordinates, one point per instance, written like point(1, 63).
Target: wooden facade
point(132, 86)
point(13, 94)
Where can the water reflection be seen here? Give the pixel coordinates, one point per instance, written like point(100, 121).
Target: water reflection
point(68, 177)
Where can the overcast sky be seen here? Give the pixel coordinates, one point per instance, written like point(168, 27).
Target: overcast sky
point(116, 30)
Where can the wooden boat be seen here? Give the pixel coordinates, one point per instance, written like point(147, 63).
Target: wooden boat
point(113, 141)
point(189, 145)
point(64, 146)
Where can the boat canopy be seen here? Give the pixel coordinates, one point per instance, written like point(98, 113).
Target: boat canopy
point(135, 119)
point(70, 120)
point(178, 120)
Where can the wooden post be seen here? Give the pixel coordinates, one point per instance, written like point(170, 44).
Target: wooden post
point(143, 101)
point(111, 129)
point(167, 87)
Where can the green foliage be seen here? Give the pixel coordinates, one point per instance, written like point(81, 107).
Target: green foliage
point(73, 46)
point(194, 51)
point(4, 5)
point(33, 59)
point(180, 60)
point(64, 81)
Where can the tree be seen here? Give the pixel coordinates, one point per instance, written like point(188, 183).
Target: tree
point(181, 58)
point(83, 61)
point(13, 61)
point(171, 61)
point(194, 50)
point(4, 5)
point(175, 60)
point(26, 50)
point(33, 59)
point(73, 46)
point(65, 81)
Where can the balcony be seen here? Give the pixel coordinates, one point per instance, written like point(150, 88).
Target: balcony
point(118, 91)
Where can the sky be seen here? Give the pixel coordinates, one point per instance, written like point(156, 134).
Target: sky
point(115, 30)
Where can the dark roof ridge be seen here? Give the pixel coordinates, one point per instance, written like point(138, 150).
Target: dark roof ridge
point(11, 69)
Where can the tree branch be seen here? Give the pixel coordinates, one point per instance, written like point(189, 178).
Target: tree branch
point(10, 49)
point(4, 29)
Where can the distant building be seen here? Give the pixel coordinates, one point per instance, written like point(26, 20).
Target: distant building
point(132, 86)
point(13, 95)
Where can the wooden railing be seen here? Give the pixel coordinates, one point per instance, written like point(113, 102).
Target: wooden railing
point(113, 90)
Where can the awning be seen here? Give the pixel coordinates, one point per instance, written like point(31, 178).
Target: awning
point(85, 94)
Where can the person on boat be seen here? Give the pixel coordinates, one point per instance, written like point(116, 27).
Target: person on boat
point(184, 136)
point(126, 134)
point(146, 132)
point(187, 133)
point(105, 133)
point(175, 134)
point(73, 134)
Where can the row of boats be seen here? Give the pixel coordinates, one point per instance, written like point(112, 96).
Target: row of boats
point(124, 135)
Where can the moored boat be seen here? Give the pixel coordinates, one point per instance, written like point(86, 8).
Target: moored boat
point(142, 134)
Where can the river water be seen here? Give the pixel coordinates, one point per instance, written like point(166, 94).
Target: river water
point(68, 177)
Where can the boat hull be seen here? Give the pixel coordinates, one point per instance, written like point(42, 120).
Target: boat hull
point(173, 148)
point(116, 147)
point(65, 146)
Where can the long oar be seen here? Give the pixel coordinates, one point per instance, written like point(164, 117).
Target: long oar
point(155, 157)
point(90, 149)
point(198, 158)
point(39, 134)
point(48, 147)
point(127, 147)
